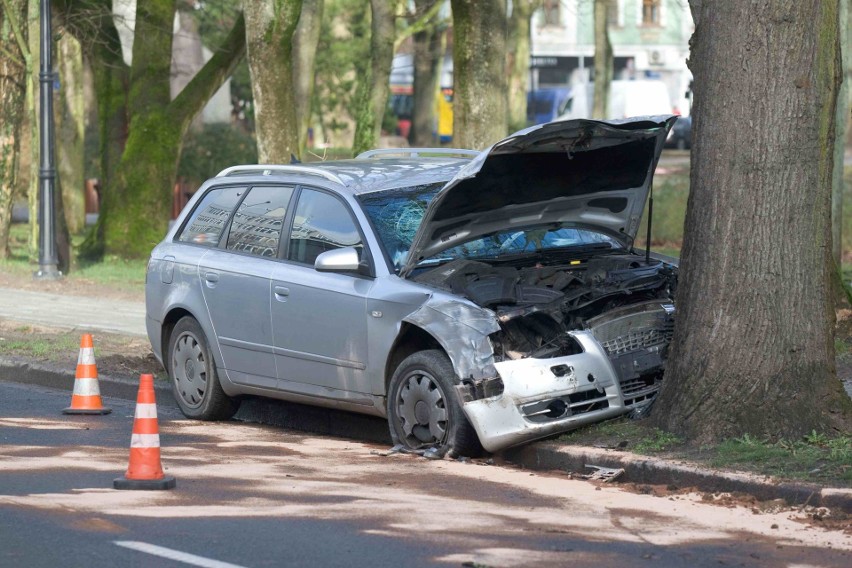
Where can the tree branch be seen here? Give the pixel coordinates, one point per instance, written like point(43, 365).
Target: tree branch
point(16, 29)
point(209, 78)
point(13, 57)
point(421, 24)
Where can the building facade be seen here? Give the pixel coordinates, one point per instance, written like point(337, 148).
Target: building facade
point(650, 40)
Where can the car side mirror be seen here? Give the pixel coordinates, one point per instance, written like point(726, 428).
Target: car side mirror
point(344, 259)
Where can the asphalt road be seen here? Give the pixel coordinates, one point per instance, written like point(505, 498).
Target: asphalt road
point(252, 496)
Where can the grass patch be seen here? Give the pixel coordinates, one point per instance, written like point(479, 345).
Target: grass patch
point(111, 271)
point(39, 347)
point(816, 458)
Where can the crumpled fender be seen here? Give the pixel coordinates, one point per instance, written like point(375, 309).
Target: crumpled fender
point(462, 330)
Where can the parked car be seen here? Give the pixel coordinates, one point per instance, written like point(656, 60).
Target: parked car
point(642, 97)
point(476, 300)
point(680, 136)
point(545, 105)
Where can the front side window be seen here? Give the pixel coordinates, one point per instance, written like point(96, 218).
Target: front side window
point(210, 216)
point(256, 228)
point(321, 223)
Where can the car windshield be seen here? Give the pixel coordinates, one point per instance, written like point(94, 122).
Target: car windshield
point(396, 215)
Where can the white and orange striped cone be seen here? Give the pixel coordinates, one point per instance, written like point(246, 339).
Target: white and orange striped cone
point(145, 470)
point(86, 398)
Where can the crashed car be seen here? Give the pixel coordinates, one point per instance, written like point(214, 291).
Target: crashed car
point(475, 300)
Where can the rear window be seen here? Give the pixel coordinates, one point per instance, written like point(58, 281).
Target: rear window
point(208, 219)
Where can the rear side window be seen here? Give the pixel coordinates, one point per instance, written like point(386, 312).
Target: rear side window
point(256, 228)
point(210, 216)
point(321, 223)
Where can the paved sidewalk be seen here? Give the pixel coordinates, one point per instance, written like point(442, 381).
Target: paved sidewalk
point(75, 312)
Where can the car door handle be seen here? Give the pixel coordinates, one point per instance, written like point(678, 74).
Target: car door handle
point(281, 293)
point(211, 277)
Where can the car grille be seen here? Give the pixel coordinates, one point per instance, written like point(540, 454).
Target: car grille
point(633, 328)
point(639, 339)
point(638, 390)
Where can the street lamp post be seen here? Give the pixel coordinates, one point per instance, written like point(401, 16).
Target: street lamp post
point(47, 261)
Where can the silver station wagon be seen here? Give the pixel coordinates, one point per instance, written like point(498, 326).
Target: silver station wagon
point(475, 300)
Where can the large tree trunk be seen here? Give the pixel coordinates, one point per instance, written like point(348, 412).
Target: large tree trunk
point(519, 60)
point(479, 64)
point(753, 349)
point(270, 27)
point(603, 60)
point(140, 166)
point(427, 59)
point(13, 80)
point(305, 43)
point(71, 110)
point(373, 86)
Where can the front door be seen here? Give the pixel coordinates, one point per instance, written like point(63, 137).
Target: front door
point(319, 319)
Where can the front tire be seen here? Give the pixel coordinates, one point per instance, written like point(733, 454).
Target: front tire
point(195, 382)
point(423, 409)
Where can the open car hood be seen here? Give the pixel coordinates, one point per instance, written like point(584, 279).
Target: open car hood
point(593, 174)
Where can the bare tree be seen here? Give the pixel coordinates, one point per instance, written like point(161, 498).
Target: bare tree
point(753, 348)
point(427, 62)
point(603, 60)
point(373, 88)
point(518, 53)
point(305, 42)
point(479, 69)
point(13, 79)
point(270, 27)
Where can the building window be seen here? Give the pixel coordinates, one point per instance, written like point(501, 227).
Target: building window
point(651, 12)
point(551, 10)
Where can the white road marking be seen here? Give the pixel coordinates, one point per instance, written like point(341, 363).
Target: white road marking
point(175, 555)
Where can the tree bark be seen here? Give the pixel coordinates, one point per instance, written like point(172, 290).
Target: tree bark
point(427, 59)
point(519, 60)
point(603, 60)
point(842, 118)
point(70, 130)
point(753, 349)
point(13, 80)
point(34, 48)
point(305, 43)
point(270, 28)
point(373, 84)
point(479, 60)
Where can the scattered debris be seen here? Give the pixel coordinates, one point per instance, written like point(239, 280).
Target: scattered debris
point(432, 453)
point(606, 474)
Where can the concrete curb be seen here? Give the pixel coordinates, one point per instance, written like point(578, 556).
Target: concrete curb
point(535, 456)
point(654, 471)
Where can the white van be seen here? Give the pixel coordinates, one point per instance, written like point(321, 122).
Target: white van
point(626, 98)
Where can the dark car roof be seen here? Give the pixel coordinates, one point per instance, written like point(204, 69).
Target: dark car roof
point(369, 174)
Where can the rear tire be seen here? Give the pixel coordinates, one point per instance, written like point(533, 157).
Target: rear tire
point(192, 370)
point(423, 408)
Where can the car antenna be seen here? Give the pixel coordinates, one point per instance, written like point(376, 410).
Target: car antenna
point(650, 219)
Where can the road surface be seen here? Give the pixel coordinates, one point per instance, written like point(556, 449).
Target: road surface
point(253, 496)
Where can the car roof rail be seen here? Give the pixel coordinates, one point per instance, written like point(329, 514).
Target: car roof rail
point(270, 169)
point(415, 152)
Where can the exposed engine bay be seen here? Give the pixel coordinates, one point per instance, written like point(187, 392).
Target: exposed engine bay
point(623, 300)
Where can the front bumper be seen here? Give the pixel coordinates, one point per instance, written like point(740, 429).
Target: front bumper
point(542, 397)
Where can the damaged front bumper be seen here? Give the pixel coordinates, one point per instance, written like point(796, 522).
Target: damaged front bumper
point(542, 397)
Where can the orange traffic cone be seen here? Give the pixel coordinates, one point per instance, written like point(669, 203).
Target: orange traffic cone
point(145, 470)
point(87, 396)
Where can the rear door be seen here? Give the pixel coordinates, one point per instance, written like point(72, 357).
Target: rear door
point(236, 281)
